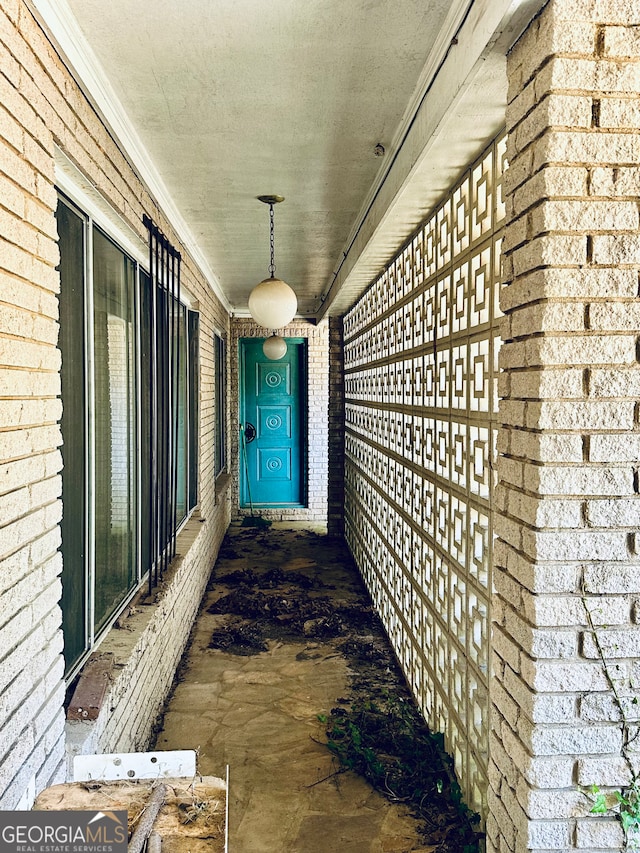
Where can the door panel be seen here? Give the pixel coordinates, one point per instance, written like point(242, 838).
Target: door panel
point(274, 463)
point(272, 398)
point(274, 422)
point(273, 378)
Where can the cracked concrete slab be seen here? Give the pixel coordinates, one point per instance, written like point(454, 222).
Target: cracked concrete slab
point(259, 714)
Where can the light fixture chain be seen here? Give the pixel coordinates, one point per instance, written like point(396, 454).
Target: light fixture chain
point(272, 265)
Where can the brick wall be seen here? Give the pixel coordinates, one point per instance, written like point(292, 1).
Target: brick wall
point(569, 448)
point(317, 429)
point(41, 107)
point(31, 715)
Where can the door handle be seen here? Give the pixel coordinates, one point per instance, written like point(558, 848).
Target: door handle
point(249, 432)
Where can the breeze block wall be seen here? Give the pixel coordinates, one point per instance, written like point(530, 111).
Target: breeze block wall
point(43, 112)
point(420, 387)
point(567, 559)
point(317, 337)
point(335, 485)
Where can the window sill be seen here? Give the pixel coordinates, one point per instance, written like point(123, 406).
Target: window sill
point(91, 689)
point(223, 482)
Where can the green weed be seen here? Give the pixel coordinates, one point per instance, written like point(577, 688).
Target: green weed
point(388, 743)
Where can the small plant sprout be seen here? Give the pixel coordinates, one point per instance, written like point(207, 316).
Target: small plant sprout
point(625, 803)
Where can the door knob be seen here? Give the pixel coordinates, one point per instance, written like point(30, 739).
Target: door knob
point(249, 432)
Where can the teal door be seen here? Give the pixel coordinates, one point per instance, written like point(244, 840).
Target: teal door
point(272, 405)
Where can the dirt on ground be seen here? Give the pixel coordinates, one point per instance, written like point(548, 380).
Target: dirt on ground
point(376, 730)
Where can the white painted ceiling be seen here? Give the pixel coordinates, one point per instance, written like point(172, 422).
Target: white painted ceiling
point(237, 98)
point(232, 99)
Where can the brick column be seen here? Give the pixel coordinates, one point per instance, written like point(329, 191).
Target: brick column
point(567, 507)
point(336, 428)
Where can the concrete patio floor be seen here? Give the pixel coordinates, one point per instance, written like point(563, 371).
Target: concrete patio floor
point(258, 714)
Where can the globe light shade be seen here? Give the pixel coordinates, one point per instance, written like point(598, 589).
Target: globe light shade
point(272, 303)
point(274, 347)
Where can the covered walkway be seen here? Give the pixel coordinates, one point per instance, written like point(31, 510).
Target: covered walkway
point(285, 633)
point(458, 398)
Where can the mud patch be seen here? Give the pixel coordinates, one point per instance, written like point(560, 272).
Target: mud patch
point(240, 638)
point(227, 551)
point(363, 650)
point(285, 606)
point(271, 579)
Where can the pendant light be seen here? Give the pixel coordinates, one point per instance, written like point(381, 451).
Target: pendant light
point(272, 303)
point(274, 347)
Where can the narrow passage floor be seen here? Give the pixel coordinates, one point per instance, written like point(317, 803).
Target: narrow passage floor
point(267, 663)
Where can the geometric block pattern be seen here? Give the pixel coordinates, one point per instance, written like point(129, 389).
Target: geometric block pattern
point(420, 355)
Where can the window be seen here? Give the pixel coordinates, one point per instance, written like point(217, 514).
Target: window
point(220, 357)
point(130, 397)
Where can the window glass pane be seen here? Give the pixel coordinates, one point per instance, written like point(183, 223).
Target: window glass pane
point(221, 394)
point(194, 388)
point(72, 317)
point(115, 444)
point(179, 425)
point(146, 356)
point(162, 424)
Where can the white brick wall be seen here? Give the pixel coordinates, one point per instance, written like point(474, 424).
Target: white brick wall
point(567, 501)
point(31, 691)
point(40, 103)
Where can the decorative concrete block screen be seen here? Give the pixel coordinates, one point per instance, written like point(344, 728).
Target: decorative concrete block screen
point(420, 407)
